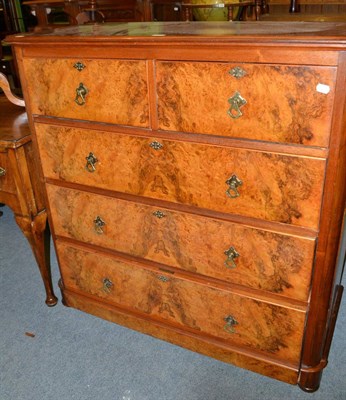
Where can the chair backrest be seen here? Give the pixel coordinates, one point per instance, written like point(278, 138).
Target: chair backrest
point(5, 86)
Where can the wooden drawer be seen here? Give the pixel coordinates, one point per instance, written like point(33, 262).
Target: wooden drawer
point(205, 310)
point(275, 187)
point(283, 103)
point(119, 95)
point(7, 182)
point(266, 260)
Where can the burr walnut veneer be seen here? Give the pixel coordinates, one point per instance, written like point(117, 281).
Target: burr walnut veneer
point(195, 181)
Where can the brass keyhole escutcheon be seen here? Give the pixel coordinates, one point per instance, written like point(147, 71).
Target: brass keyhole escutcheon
point(81, 93)
point(99, 225)
point(159, 214)
point(107, 285)
point(2, 171)
point(91, 161)
point(156, 145)
point(231, 254)
point(233, 182)
point(162, 278)
point(79, 66)
point(237, 72)
point(231, 322)
point(236, 102)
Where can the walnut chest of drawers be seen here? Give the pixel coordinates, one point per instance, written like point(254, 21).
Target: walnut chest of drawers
point(195, 180)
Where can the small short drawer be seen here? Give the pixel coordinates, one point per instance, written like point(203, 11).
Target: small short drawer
point(7, 183)
point(274, 187)
point(73, 88)
point(276, 103)
point(227, 251)
point(202, 309)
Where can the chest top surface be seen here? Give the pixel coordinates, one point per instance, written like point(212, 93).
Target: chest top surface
point(326, 32)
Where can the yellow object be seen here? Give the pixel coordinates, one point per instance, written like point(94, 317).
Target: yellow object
point(211, 14)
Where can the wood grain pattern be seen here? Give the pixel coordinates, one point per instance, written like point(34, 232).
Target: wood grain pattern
point(275, 187)
point(268, 261)
point(261, 326)
point(118, 95)
point(235, 355)
point(283, 104)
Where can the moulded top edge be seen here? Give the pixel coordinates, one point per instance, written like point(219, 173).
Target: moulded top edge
point(229, 31)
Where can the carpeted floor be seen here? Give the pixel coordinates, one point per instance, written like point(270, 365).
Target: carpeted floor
point(76, 356)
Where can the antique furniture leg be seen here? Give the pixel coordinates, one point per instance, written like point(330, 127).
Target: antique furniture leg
point(37, 232)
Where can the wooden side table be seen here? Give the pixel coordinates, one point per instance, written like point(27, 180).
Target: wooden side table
point(20, 188)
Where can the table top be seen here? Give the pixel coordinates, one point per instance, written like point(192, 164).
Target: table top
point(14, 127)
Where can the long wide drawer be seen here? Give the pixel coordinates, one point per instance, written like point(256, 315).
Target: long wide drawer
point(228, 317)
point(75, 89)
point(274, 187)
point(287, 103)
point(223, 250)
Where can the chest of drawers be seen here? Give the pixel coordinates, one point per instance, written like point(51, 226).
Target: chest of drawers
point(195, 181)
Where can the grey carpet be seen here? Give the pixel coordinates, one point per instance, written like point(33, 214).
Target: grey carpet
point(76, 356)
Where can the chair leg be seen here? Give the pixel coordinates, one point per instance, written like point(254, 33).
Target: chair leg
point(187, 11)
point(230, 13)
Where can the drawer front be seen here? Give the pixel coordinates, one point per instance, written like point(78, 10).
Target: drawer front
point(202, 309)
point(274, 187)
point(259, 259)
point(119, 95)
point(283, 103)
point(7, 183)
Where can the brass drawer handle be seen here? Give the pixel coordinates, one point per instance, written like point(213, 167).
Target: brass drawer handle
point(107, 285)
point(81, 93)
point(233, 182)
point(237, 72)
point(156, 145)
point(79, 66)
point(2, 171)
point(159, 214)
point(236, 101)
point(231, 322)
point(231, 254)
point(98, 225)
point(91, 161)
